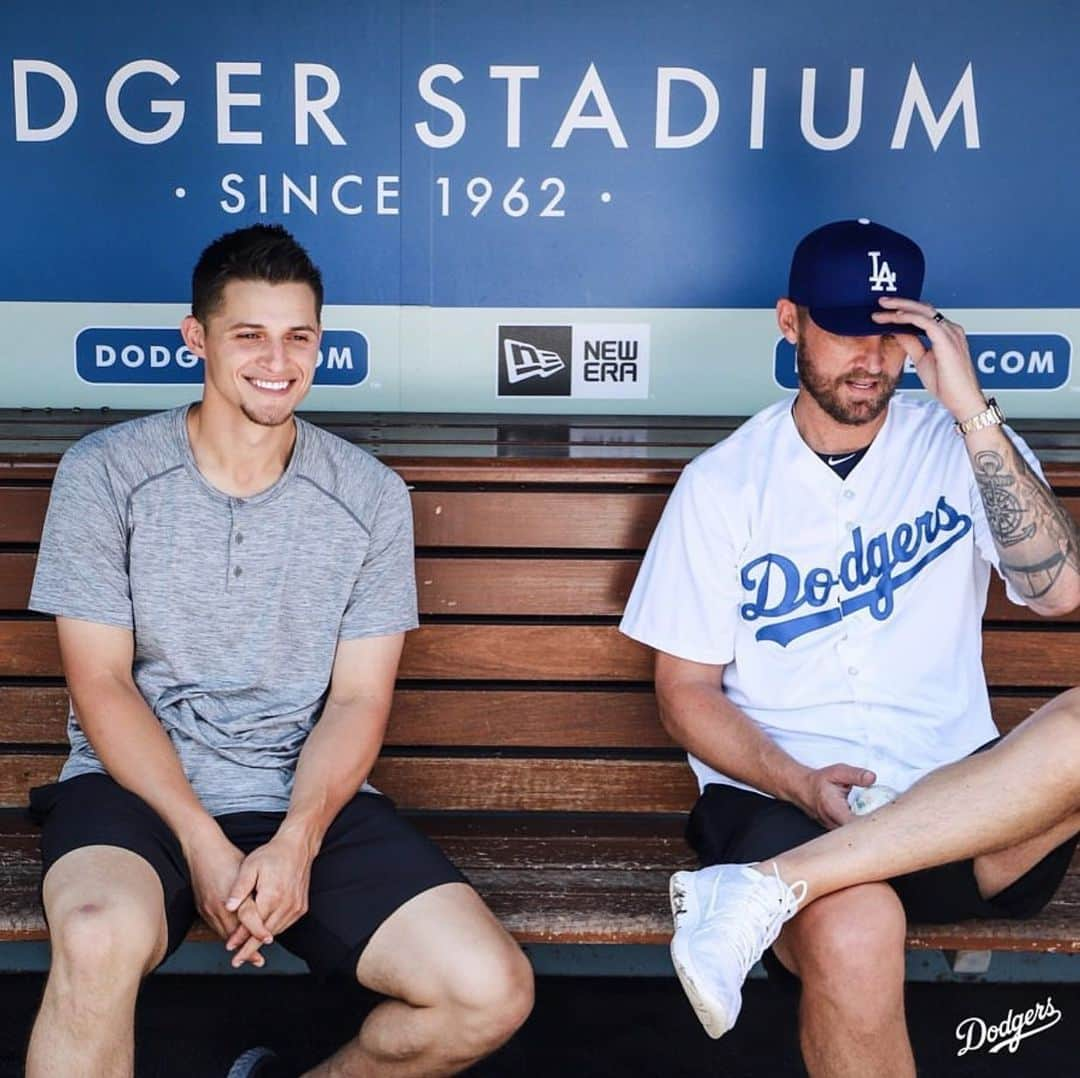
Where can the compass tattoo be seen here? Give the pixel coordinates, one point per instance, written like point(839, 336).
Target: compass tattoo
point(1020, 509)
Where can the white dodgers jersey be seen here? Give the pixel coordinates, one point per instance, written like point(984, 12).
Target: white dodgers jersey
point(846, 612)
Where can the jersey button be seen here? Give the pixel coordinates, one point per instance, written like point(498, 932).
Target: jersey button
point(237, 571)
point(239, 537)
point(849, 494)
point(853, 670)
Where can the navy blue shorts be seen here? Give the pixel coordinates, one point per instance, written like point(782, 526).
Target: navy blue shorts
point(372, 861)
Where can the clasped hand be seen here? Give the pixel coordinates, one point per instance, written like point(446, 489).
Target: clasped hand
point(247, 900)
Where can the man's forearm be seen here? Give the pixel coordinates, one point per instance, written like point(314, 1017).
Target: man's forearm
point(336, 760)
point(706, 723)
point(136, 751)
point(1038, 542)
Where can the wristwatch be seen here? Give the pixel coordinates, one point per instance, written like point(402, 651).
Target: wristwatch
point(991, 417)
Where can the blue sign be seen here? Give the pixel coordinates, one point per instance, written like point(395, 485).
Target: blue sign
point(619, 154)
point(1003, 360)
point(119, 355)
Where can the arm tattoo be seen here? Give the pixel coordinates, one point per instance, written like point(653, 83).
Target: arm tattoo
point(1021, 509)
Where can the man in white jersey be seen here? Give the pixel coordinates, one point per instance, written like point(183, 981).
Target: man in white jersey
point(814, 592)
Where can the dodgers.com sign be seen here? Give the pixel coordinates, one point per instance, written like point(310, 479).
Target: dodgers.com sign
point(1003, 360)
point(116, 355)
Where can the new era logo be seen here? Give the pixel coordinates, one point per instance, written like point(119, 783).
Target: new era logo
point(524, 361)
point(534, 361)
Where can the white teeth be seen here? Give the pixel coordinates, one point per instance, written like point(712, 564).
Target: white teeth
point(269, 385)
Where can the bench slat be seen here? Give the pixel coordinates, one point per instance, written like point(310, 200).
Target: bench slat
point(557, 520)
point(22, 513)
point(16, 578)
point(504, 519)
point(537, 519)
point(556, 587)
point(26, 460)
point(471, 783)
point(573, 653)
point(31, 714)
point(578, 586)
point(37, 714)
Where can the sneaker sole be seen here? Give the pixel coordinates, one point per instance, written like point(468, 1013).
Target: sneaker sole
point(713, 1017)
point(243, 1065)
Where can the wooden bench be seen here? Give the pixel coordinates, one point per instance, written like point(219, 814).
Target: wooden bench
point(524, 734)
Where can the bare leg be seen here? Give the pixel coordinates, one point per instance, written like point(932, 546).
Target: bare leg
point(848, 950)
point(954, 813)
point(460, 987)
point(107, 929)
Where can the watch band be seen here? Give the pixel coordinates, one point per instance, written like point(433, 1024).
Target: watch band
point(991, 417)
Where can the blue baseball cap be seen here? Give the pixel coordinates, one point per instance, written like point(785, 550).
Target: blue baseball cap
point(841, 270)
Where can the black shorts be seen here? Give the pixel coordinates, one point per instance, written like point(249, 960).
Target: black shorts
point(734, 826)
point(372, 861)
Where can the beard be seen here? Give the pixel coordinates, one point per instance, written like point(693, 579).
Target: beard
point(828, 393)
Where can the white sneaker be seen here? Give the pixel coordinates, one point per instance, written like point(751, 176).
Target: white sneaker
point(725, 917)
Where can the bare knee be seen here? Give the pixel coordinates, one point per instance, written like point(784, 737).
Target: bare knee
point(1059, 726)
point(491, 999)
point(101, 941)
point(850, 945)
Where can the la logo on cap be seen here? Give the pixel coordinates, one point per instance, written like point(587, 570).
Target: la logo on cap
point(840, 271)
point(882, 278)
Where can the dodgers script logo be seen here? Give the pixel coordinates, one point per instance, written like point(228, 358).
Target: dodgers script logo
point(867, 577)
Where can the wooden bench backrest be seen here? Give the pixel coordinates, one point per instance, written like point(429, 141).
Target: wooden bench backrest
point(518, 693)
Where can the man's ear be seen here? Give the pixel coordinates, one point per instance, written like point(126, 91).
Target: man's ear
point(191, 329)
point(787, 318)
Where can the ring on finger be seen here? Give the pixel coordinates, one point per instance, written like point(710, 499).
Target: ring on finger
point(939, 317)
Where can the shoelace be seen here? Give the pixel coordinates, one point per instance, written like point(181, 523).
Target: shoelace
point(746, 939)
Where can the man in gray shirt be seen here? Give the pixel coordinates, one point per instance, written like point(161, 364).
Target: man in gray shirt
point(232, 586)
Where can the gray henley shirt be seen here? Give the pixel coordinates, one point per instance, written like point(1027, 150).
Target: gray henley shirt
point(236, 604)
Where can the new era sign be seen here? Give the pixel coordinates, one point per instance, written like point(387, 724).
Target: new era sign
point(599, 361)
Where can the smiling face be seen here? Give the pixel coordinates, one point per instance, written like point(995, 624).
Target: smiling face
point(260, 345)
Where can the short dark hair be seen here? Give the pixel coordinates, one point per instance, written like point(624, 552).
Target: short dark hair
point(257, 253)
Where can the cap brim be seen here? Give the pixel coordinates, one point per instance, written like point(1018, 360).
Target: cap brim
point(856, 322)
